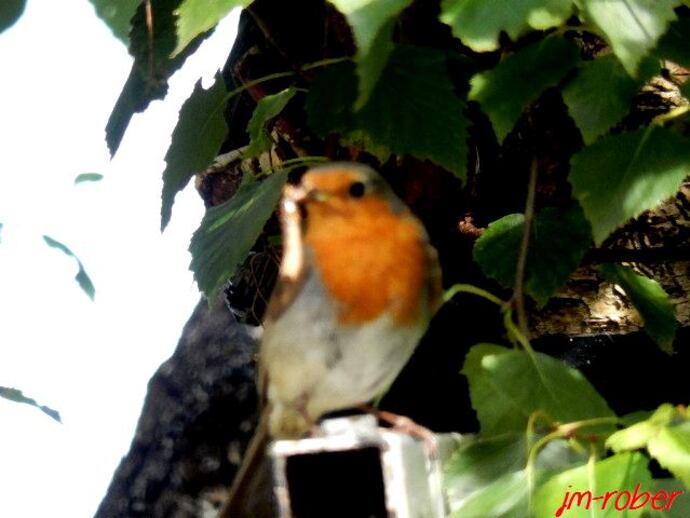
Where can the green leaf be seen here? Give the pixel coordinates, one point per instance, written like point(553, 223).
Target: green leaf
point(663, 488)
point(88, 177)
point(545, 384)
point(505, 497)
point(10, 12)
point(650, 300)
point(266, 109)
point(82, 277)
point(17, 396)
point(632, 27)
point(148, 79)
point(675, 44)
point(601, 95)
point(506, 90)
point(196, 139)
point(228, 231)
point(568, 491)
point(482, 462)
point(412, 110)
point(671, 448)
point(372, 27)
point(117, 16)
point(637, 436)
point(478, 23)
point(559, 240)
point(620, 176)
point(195, 17)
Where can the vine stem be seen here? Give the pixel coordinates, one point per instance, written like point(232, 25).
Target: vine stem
point(519, 288)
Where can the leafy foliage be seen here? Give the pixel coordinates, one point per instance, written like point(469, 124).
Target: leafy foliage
point(372, 28)
point(88, 177)
point(228, 231)
point(414, 82)
point(505, 90)
point(651, 301)
point(479, 22)
point(82, 277)
point(195, 141)
point(195, 17)
point(117, 16)
point(620, 176)
point(632, 27)
point(266, 109)
point(546, 385)
point(17, 396)
point(559, 241)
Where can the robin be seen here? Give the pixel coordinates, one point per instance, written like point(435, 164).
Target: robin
point(357, 287)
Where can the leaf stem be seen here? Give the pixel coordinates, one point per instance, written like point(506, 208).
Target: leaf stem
point(474, 290)
point(519, 289)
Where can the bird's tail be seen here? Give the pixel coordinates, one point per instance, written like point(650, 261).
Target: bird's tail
point(250, 494)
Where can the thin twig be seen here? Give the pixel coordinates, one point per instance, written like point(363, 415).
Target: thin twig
point(149, 30)
point(519, 289)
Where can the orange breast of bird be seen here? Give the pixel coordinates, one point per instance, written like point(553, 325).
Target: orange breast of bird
point(371, 259)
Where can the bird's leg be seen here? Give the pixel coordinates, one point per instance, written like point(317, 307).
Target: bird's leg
point(403, 424)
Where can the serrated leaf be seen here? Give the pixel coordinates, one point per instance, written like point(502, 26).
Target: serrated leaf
point(478, 23)
point(152, 67)
point(480, 463)
point(266, 109)
point(17, 396)
point(371, 22)
point(413, 109)
point(228, 231)
point(195, 17)
point(88, 177)
point(620, 176)
point(632, 27)
point(82, 277)
point(601, 94)
point(624, 472)
point(546, 385)
point(196, 139)
point(637, 436)
point(10, 12)
point(505, 497)
point(650, 300)
point(504, 91)
point(559, 240)
point(117, 16)
point(671, 448)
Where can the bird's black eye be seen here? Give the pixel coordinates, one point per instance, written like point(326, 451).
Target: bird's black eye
point(357, 189)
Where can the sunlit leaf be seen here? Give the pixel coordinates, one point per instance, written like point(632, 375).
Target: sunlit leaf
point(620, 176)
point(636, 436)
point(117, 15)
point(372, 27)
point(671, 448)
point(196, 139)
point(195, 17)
point(17, 396)
point(504, 91)
point(570, 492)
point(266, 109)
point(478, 23)
point(545, 384)
point(228, 231)
point(82, 277)
point(632, 27)
point(650, 300)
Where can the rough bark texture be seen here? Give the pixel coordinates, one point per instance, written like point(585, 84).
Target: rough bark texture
point(201, 404)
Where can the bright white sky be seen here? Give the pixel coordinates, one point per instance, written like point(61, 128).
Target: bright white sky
point(62, 71)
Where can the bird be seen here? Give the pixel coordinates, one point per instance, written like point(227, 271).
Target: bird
point(357, 287)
